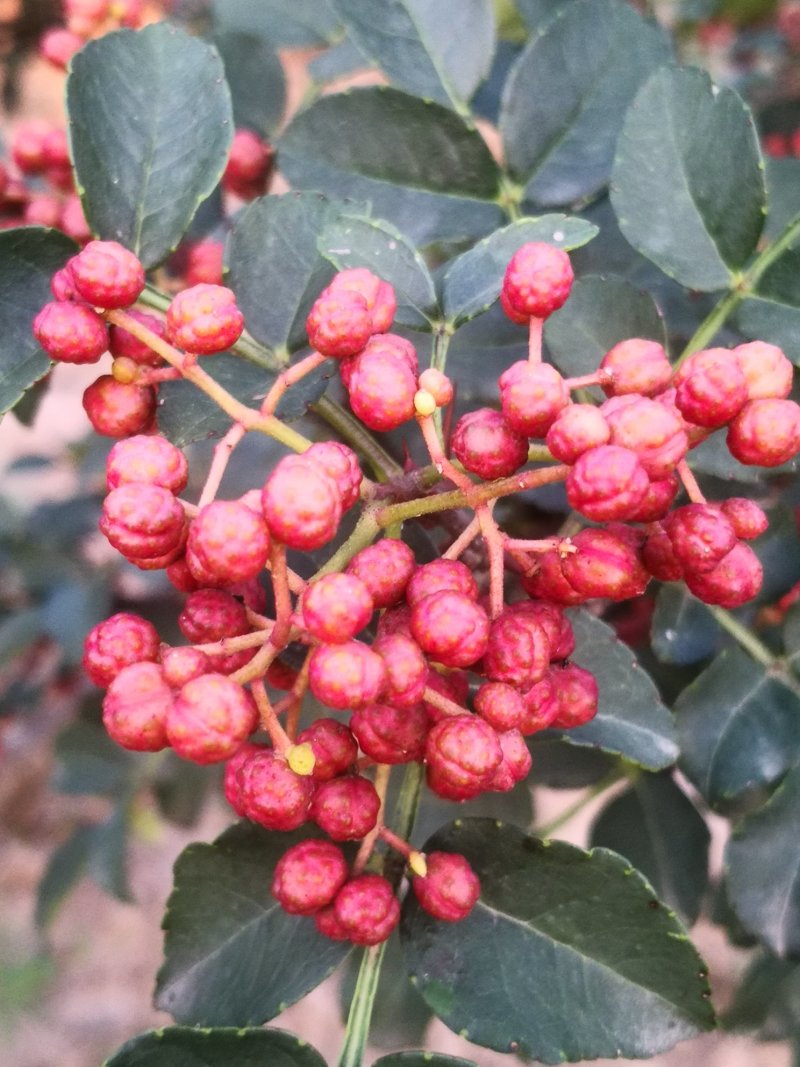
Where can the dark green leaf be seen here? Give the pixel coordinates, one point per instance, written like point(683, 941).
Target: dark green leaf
point(688, 185)
point(97, 850)
point(18, 632)
point(562, 766)
point(181, 789)
point(439, 51)
point(418, 163)
point(377, 245)
point(107, 852)
point(480, 351)
point(567, 955)
point(472, 282)
point(284, 23)
point(255, 77)
point(739, 727)
point(712, 457)
point(88, 761)
point(537, 12)
point(186, 415)
point(422, 1059)
point(28, 259)
point(27, 408)
point(657, 828)
point(772, 313)
point(70, 612)
point(783, 194)
point(697, 9)
point(336, 62)
point(683, 629)
point(275, 267)
point(777, 551)
point(233, 956)
point(791, 637)
point(64, 869)
point(142, 170)
point(764, 872)
point(601, 311)
point(400, 1015)
point(566, 96)
point(181, 1046)
point(764, 1000)
point(514, 807)
point(631, 720)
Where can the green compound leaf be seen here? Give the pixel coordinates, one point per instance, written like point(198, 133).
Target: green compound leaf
point(601, 311)
point(657, 828)
point(688, 184)
point(275, 267)
point(739, 728)
point(683, 629)
point(143, 170)
point(233, 956)
point(378, 246)
point(567, 955)
point(419, 164)
point(472, 282)
point(284, 23)
point(764, 870)
point(566, 96)
point(631, 720)
point(440, 51)
point(181, 1046)
point(422, 1059)
point(29, 257)
point(255, 78)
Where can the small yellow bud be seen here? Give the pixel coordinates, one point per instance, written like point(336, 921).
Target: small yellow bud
point(301, 759)
point(417, 863)
point(125, 370)
point(424, 402)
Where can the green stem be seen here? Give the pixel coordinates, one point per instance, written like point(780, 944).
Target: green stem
point(357, 435)
point(569, 813)
point(365, 532)
point(744, 637)
point(358, 1019)
point(743, 288)
point(355, 1039)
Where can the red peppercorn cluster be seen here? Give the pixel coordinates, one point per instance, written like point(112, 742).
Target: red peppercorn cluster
point(415, 662)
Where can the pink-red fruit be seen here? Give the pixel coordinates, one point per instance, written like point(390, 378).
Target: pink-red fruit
point(485, 444)
point(308, 876)
point(336, 608)
point(538, 279)
point(136, 707)
point(367, 909)
point(107, 275)
point(210, 718)
point(116, 643)
point(204, 319)
point(70, 333)
point(301, 504)
point(450, 889)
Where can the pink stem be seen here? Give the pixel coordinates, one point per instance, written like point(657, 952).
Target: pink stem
point(693, 490)
point(291, 376)
point(463, 541)
point(222, 454)
point(535, 328)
